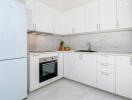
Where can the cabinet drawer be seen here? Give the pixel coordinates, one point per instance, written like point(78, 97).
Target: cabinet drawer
point(109, 59)
point(104, 67)
point(106, 81)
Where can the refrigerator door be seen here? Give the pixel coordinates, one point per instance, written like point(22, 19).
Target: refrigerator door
point(13, 79)
point(13, 30)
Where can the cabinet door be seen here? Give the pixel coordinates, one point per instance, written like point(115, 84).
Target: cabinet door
point(87, 72)
point(71, 66)
point(80, 67)
point(68, 22)
point(124, 76)
point(106, 81)
point(31, 5)
point(107, 14)
point(124, 15)
point(79, 20)
point(60, 64)
point(92, 15)
point(43, 18)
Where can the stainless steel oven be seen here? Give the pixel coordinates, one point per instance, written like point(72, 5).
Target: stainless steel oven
point(48, 68)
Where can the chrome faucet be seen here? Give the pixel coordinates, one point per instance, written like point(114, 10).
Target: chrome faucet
point(88, 46)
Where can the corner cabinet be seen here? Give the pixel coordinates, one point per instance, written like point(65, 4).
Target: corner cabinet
point(80, 67)
point(124, 15)
point(41, 17)
point(124, 76)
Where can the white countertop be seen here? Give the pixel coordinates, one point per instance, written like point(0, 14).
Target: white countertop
point(98, 53)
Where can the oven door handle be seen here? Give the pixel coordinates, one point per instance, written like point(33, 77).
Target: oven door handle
point(45, 63)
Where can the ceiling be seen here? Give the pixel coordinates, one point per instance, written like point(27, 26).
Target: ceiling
point(64, 5)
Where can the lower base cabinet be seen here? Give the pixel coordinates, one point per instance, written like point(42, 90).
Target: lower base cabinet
point(80, 67)
point(124, 76)
point(112, 77)
point(106, 81)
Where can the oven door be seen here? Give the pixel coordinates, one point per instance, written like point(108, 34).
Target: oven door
point(47, 70)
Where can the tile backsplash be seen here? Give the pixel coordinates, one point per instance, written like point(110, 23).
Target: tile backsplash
point(114, 41)
point(40, 42)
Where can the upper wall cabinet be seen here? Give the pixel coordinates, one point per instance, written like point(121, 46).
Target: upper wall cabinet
point(78, 20)
point(91, 20)
point(68, 22)
point(124, 13)
point(63, 24)
point(107, 14)
point(41, 17)
point(31, 14)
point(59, 25)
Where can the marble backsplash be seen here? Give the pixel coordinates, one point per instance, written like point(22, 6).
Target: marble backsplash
point(114, 41)
point(40, 42)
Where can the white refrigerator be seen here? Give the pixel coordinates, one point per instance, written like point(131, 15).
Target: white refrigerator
point(13, 50)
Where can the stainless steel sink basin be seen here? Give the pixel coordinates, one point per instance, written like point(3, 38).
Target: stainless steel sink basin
point(85, 51)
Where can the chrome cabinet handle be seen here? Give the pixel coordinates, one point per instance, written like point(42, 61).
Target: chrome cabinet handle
point(130, 61)
point(106, 74)
point(104, 55)
point(104, 64)
point(34, 27)
point(117, 24)
point(97, 27)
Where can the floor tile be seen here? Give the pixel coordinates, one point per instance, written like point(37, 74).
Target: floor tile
point(69, 90)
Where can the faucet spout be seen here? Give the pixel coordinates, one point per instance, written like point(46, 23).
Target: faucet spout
point(89, 46)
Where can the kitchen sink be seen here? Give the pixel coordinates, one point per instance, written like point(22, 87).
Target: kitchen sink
point(85, 51)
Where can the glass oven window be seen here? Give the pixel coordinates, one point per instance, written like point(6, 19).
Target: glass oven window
point(47, 70)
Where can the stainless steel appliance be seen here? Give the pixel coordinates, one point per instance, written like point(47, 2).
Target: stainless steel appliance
point(48, 68)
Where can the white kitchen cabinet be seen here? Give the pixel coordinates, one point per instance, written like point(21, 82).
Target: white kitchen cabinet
point(106, 72)
point(31, 17)
point(80, 67)
point(106, 81)
point(45, 18)
point(106, 59)
point(124, 76)
point(107, 14)
point(78, 20)
point(92, 17)
point(59, 25)
point(41, 17)
point(71, 66)
point(34, 69)
point(124, 15)
point(60, 64)
point(106, 68)
point(87, 72)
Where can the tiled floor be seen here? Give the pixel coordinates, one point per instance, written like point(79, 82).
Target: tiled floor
point(70, 90)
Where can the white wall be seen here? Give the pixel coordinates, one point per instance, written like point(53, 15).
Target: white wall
point(115, 41)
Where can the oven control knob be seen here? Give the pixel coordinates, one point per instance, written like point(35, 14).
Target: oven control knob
point(44, 59)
